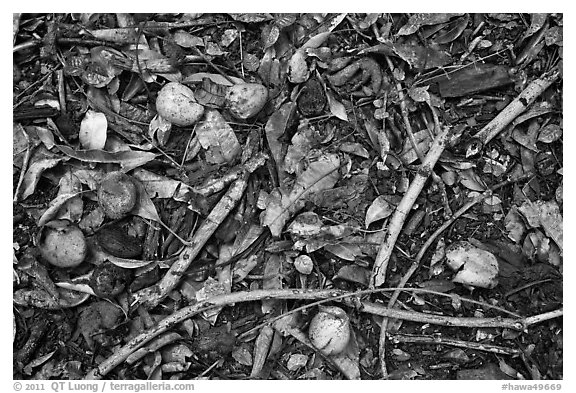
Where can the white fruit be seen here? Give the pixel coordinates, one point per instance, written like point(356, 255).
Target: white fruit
point(329, 330)
point(176, 104)
point(245, 100)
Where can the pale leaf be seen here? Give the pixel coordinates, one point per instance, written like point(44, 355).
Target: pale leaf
point(282, 204)
point(128, 160)
point(217, 138)
point(298, 68)
point(162, 187)
point(34, 173)
point(336, 107)
point(55, 206)
point(93, 130)
point(378, 210)
point(474, 266)
point(548, 216)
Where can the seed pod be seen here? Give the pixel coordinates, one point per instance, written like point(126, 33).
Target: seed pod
point(62, 243)
point(109, 280)
point(117, 195)
point(329, 330)
point(245, 100)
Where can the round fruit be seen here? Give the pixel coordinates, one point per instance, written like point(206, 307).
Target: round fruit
point(329, 330)
point(62, 243)
point(245, 100)
point(176, 104)
point(117, 195)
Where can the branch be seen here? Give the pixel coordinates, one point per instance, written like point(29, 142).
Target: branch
point(295, 294)
point(517, 106)
point(401, 212)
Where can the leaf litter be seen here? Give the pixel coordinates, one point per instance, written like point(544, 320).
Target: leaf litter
point(291, 183)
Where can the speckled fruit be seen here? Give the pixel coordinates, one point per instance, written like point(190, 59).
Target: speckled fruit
point(245, 100)
point(62, 243)
point(117, 195)
point(329, 330)
point(176, 104)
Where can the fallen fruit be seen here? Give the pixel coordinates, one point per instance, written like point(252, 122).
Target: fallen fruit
point(176, 103)
point(117, 195)
point(245, 100)
point(329, 330)
point(62, 243)
point(109, 280)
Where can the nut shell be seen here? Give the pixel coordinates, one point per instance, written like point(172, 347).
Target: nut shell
point(329, 330)
point(176, 103)
point(245, 100)
point(62, 244)
point(117, 195)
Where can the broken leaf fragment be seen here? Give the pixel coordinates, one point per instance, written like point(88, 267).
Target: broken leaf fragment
point(474, 266)
point(217, 137)
point(548, 216)
point(281, 204)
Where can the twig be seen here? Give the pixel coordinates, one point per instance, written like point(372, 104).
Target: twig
point(401, 212)
point(431, 239)
point(438, 340)
point(517, 106)
point(152, 296)
point(294, 294)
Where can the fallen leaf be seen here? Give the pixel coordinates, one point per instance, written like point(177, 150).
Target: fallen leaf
point(282, 204)
point(93, 129)
point(548, 216)
point(378, 210)
point(217, 138)
point(128, 160)
point(474, 266)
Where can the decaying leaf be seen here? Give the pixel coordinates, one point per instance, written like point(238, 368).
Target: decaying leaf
point(418, 20)
point(336, 107)
point(281, 204)
point(474, 266)
point(514, 225)
point(546, 215)
point(127, 159)
point(217, 137)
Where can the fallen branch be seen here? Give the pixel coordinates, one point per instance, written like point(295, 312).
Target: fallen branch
point(295, 294)
point(467, 206)
point(150, 297)
point(517, 106)
point(424, 248)
point(437, 340)
point(401, 212)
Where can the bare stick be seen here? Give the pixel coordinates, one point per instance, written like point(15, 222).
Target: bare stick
point(404, 110)
point(152, 296)
point(431, 239)
point(294, 294)
point(435, 340)
point(401, 212)
point(467, 206)
point(517, 106)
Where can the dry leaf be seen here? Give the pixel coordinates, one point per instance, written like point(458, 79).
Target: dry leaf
point(282, 204)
